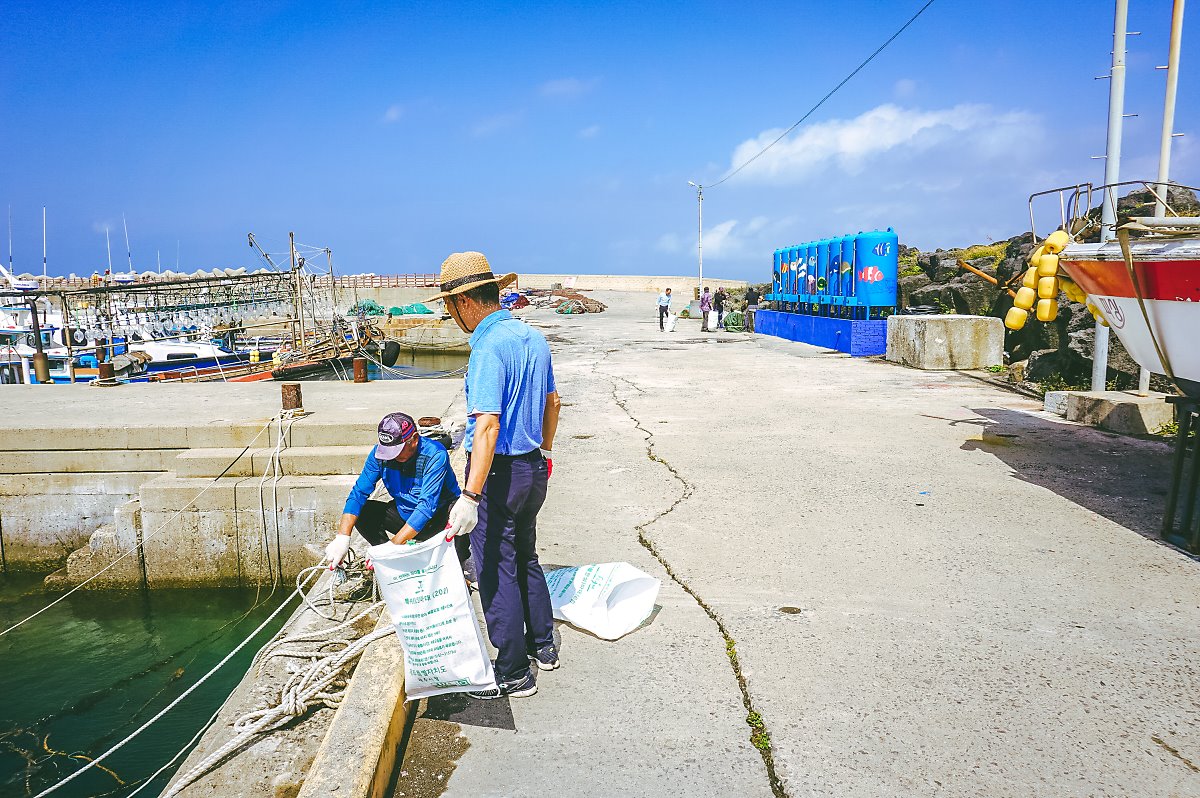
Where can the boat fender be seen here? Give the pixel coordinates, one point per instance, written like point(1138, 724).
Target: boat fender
point(390, 353)
point(1015, 318)
point(1025, 298)
point(1057, 241)
point(1047, 288)
point(1047, 265)
point(1047, 309)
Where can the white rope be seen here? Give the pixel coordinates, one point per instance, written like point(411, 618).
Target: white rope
point(321, 683)
point(142, 542)
point(174, 703)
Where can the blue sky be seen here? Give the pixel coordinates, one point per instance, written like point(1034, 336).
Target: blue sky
point(556, 137)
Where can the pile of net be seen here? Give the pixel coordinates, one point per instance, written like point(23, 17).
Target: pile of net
point(366, 307)
point(415, 309)
point(572, 302)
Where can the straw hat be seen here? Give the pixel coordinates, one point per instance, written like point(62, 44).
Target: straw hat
point(463, 271)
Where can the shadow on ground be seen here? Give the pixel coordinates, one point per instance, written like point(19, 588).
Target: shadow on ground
point(1120, 478)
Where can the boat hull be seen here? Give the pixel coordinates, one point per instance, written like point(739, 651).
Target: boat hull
point(1168, 284)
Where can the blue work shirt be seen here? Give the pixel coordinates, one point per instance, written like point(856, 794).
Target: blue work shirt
point(509, 374)
point(419, 486)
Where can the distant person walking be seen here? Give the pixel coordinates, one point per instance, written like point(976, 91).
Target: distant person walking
point(664, 307)
point(512, 416)
point(719, 305)
point(706, 306)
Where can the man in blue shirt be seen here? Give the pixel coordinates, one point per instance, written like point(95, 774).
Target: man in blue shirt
point(416, 472)
point(664, 307)
point(512, 416)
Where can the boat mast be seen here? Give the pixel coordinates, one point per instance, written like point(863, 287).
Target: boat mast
point(10, 264)
point(1112, 173)
point(43, 241)
point(1168, 125)
point(128, 251)
point(108, 245)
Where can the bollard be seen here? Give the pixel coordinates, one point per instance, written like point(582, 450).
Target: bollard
point(360, 369)
point(41, 368)
point(105, 376)
point(293, 399)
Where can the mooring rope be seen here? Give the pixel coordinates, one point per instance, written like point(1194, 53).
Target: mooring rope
point(138, 546)
point(321, 683)
point(95, 762)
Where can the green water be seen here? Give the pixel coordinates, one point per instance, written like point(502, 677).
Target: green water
point(83, 675)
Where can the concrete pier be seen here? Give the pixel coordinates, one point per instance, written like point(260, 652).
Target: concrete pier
point(877, 581)
point(92, 472)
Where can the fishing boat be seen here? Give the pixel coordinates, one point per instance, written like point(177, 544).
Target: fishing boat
point(1146, 284)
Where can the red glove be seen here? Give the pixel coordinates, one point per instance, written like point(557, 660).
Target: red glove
point(549, 462)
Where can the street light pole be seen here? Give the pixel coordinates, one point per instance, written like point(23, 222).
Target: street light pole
point(699, 233)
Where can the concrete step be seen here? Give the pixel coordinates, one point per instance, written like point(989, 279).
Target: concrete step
point(170, 492)
point(294, 461)
point(89, 461)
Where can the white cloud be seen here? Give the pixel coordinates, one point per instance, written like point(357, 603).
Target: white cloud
point(904, 88)
point(851, 145)
point(494, 124)
point(589, 132)
point(567, 88)
point(393, 113)
point(669, 242)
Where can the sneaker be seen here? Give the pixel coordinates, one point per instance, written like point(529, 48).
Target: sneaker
point(546, 657)
point(521, 688)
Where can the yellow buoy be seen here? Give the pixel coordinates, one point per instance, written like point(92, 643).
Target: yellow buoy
point(1015, 318)
point(1047, 287)
point(1025, 298)
point(1047, 309)
point(1030, 279)
point(1037, 253)
point(254, 356)
point(1057, 241)
point(1047, 265)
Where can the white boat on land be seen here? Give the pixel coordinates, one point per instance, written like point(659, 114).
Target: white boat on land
point(1149, 294)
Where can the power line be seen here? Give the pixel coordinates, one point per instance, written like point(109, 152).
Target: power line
point(821, 102)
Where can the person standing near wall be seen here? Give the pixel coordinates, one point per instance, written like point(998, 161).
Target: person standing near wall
point(512, 417)
point(706, 306)
point(664, 307)
point(719, 306)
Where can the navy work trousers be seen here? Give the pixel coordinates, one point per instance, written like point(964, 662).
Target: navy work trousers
point(512, 586)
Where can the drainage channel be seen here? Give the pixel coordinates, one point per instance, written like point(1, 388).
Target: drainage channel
point(760, 737)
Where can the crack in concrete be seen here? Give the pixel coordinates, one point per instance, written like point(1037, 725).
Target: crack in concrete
point(760, 736)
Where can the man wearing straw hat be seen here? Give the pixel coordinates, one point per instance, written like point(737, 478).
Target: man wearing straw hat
point(512, 415)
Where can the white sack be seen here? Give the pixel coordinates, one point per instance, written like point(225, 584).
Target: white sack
point(427, 598)
point(609, 600)
point(672, 319)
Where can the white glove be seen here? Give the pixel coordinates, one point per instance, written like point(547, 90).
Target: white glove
point(464, 515)
point(335, 552)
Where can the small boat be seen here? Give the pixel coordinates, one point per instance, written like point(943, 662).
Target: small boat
point(1159, 303)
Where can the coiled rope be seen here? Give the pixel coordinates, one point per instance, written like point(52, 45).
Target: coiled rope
point(321, 683)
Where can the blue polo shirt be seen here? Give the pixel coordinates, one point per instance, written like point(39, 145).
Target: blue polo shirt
point(419, 486)
point(509, 374)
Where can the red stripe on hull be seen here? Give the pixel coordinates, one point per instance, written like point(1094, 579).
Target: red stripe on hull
point(1170, 280)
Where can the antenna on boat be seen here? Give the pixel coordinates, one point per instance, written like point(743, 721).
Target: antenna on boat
point(108, 245)
point(10, 266)
point(43, 241)
point(128, 251)
point(177, 254)
point(158, 257)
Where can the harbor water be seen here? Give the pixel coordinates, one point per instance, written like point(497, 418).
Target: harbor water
point(83, 675)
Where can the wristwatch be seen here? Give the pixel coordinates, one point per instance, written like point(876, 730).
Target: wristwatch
point(470, 494)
